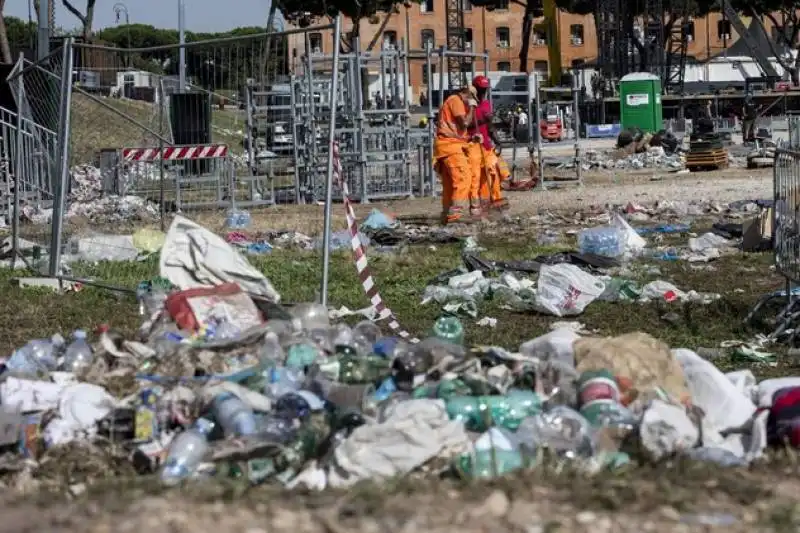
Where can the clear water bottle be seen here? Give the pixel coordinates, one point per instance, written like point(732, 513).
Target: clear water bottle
point(186, 452)
point(79, 354)
point(606, 241)
point(237, 219)
point(40, 355)
point(233, 415)
point(282, 380)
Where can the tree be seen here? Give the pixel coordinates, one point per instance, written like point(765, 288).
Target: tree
point(5, 49)
point(673, 12)
point(785, 18)
point(304, 12)
point(86, 19)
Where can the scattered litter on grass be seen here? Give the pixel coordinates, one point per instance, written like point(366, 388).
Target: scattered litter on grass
point(225, 381)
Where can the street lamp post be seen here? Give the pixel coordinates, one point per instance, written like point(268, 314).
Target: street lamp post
point(120, 9)
point(182, 51)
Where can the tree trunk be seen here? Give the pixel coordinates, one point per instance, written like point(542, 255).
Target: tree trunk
point(5, 49)
point(527, 27)
point(379, 32)
point(89, 20)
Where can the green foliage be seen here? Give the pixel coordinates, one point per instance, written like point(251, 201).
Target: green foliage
point(588, 7)
point(20, 33)
point(213, 66)
point(306, 11)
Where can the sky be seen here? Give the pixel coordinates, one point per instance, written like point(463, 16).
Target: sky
point(201, 15)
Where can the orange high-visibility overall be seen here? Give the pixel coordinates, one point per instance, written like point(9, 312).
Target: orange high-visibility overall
point(495, 171)
point(450, 152)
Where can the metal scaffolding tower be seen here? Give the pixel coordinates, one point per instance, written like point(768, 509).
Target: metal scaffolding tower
point(457, 67)
point(676, 49)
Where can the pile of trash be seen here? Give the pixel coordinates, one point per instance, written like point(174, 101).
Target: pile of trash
point(87, 200)
point(223, 380)
point(565, 283)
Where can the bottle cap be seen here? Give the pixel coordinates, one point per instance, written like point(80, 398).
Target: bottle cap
point(79, 334)
point(203, 425)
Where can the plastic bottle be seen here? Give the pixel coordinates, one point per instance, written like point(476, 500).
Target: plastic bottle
point(481, 412)
point(369, 330)
point(40, 355)
point(78, 355)
point(311, 316)
point(561, 429)
point(233, 415)
point(605, 240)
point(449, 329)
point(237, 219)
point(186, 452)
point(282, 380)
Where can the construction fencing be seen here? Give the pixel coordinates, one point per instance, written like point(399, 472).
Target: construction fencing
point(108, 140)
point(786, 230)
point(105, 142)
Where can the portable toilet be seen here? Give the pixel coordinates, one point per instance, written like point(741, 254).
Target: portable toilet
point(640, 102)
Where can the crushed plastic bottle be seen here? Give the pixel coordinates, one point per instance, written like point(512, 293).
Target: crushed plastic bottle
point(233, 415)
point(78, 355)
point(40, 355)
point(560, 429)
point(282, 380)
point(186, 452)
point(607, 241)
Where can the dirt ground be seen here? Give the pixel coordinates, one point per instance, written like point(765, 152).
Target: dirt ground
point(599, 189)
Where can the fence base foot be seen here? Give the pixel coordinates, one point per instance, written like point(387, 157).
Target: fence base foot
point(50, 283)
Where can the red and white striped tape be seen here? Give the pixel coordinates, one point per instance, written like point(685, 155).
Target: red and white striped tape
point(360, 255)
point(175, 153)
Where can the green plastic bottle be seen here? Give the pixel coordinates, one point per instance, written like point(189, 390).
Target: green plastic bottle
point(482, 412)
point(357, 370)
point(449, 329)
point(491, 463)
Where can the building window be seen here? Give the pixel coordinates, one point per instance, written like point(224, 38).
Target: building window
point(689, 29)
point(723, 30)
point(502, 5)
point(315, 42)
point(576, 34)
point(504, 66)
point(539, 37)
point(389, 40)
point(502, 37)
point(541, 69)
point(425, 73)
point(468, 39)
point(426, 6)
point(427, 38)
point(466, 5)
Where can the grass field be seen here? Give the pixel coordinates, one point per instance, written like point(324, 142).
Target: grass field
point(100, 122)
point(667, 497)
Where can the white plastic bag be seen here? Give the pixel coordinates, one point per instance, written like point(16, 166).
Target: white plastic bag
point(724, 404)
point(566, 290)
point(556, 345)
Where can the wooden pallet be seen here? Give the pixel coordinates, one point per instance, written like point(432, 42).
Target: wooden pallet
point(715, 159)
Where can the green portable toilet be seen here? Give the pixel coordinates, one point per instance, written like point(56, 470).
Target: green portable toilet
point(640, 102)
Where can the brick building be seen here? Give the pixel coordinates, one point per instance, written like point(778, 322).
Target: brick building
point(499, 32)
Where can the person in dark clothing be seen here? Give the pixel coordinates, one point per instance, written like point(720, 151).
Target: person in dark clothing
point(749, 115)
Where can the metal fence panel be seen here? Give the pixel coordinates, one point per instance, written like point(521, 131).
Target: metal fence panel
point(786, 229)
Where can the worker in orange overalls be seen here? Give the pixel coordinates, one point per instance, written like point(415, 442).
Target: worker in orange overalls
point(450, 152)
point(485, 158)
